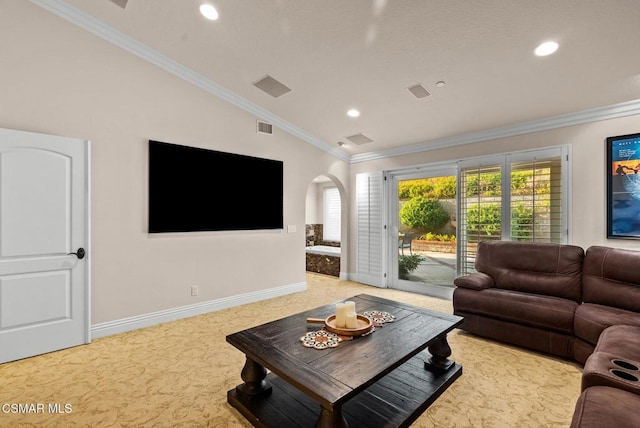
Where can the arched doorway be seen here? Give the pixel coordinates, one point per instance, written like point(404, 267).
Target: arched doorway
point(323, 226)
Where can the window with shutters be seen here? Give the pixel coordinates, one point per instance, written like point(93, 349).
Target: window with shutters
point(520, 197)
point(331, 214)
point(536, 200)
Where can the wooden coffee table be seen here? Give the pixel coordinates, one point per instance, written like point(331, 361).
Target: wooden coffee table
point(380, 380)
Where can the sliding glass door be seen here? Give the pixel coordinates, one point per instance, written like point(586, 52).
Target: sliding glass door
point(418, 228)
point(422, 236)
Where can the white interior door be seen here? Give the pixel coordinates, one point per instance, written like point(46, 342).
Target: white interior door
point(44, 290)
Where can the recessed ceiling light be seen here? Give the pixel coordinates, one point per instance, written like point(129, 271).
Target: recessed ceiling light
point(353, 113)
point(209, 12)
point(441, 83)
point(546, 48)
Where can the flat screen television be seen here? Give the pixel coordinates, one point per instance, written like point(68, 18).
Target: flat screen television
point(193, 189)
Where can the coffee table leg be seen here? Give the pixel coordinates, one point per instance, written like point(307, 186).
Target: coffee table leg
point(440, 351)
point(254, 385)
point(331, 419)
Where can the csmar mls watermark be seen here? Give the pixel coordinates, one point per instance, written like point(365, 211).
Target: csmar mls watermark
point(46, 408)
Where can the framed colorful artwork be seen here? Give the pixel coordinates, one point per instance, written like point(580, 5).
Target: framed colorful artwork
point(623, 186)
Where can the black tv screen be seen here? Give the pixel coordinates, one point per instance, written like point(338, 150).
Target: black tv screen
point(193, 189)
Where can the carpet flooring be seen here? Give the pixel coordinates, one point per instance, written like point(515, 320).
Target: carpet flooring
point(177, 374)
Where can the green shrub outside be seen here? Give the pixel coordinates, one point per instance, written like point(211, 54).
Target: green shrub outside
point(442, 237)
point(444, 188)
point(424, 213)
point(488, 184)
point(484, 185)
point(522, 183)
point(436, 188)
point(486, 219)
point(407, 264)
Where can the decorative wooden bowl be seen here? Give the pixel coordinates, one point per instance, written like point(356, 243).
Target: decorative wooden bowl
point(364, 324)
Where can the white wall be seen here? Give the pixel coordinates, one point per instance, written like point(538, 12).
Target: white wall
point(588, 178)
point(58, 79)
point(313, 213)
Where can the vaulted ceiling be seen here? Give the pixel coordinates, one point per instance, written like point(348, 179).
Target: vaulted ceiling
point(335, 55)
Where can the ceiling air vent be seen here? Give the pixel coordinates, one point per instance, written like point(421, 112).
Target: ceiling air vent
point(121, 3)
point(419, 91)
point(359, 139)
point(265, 128)
point(271, 86)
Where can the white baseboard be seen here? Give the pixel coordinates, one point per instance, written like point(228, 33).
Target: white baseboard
point(146, 320)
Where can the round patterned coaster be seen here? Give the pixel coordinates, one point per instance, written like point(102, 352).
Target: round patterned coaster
point(320, 339)
point(373, 328)
point(378, 317)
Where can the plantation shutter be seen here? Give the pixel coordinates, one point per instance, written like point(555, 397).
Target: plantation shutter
point(480, 211)
point(369, 200)
point(331, 214)
point(536, 200)
point(519, 197)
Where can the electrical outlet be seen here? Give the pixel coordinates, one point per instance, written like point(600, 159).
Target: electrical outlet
point(194, 290)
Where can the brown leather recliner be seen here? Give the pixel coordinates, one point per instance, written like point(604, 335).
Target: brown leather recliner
point(610, 294)
point(524, 294)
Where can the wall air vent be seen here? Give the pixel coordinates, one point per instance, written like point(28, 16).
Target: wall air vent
point(271, 86)
point(359, 139)
point(419, 91)
point(264, 128)
point(121, 3)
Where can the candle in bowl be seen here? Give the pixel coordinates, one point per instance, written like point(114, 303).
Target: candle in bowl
point(341, 315)
point(351, 306)
point(352, 320)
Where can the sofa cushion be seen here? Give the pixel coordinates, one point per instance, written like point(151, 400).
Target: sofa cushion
point(475, 281)
point(538, 268)
point(602, 406)
point(620, 340)
point(582, 350)
point(521, 308)
point(611, 278)
point(590, 320)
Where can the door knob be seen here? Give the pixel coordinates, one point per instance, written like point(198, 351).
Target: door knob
point(79, 254)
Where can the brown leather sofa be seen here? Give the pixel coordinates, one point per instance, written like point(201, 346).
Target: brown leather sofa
point(557, 299)
point(525, 294)
point(610, 296)
point(611, 381)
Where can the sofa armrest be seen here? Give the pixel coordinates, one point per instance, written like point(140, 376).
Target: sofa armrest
point(474, 281)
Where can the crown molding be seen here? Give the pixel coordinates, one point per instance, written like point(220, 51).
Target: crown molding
point(629, 108)
point(116, 37)
point(128, 43)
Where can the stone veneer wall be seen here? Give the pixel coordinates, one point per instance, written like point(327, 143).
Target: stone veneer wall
point(328, 265)
point(314, 236)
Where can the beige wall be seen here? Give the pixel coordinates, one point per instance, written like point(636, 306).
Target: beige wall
point(588, 179)
point(58, 79)
point(312, 215)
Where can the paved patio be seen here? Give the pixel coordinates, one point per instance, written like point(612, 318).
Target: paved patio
point(435, 268)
